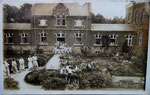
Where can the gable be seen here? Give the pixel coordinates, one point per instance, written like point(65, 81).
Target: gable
point(60, 9)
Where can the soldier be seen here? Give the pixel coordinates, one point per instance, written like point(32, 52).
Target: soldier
point(21, 64)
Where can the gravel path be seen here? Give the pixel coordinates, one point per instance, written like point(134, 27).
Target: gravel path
point(26, 88)
point(53, 63)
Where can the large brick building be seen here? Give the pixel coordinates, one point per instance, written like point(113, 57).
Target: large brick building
point(67, 23)
point(137, 14)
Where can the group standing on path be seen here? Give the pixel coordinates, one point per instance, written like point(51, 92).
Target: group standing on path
point(13, 66)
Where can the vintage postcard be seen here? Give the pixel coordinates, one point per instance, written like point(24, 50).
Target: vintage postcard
point(71, 46)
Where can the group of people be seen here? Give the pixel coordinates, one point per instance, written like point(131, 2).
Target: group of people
point(61, 49)
point(18, 65)
point(69, 69)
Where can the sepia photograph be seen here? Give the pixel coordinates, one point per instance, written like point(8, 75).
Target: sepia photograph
point(77, 45)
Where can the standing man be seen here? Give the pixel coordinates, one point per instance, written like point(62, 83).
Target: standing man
point(14, 66)
point(21, 64)
point(6, 68)
point(30, 65)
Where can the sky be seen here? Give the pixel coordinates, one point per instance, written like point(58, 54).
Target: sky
point(108, 8)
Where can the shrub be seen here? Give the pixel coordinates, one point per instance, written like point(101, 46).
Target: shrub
point(10, 83)
point(94, 80)
point(54, 84)
point(38, 77)
point(32, 78)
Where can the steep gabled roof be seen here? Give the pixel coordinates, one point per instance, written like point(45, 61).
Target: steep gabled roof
point(113, 27)
point(75, 9)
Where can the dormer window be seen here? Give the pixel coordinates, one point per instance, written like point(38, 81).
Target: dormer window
point(78, 23)
point(60, 20)
point(43, 22)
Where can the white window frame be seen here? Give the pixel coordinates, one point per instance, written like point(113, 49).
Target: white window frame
point(62, 35)
point(42, 35)
point(129, 39)
point(24, 35)
point(78, 23)
point(78, 36)
point(98, 37)
point(43, 22)
point(9, 35)
point(60, 18)
point(115, 38)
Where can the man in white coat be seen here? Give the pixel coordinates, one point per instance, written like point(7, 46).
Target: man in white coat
point(6, 68)
point(14, 65)
point(30, 65)
point(21, 64)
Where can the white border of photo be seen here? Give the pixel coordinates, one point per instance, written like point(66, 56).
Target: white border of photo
point(102, 91)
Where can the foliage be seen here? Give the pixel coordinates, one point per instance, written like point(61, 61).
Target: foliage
point(94, 80)
point(125, 47)
point(101, 19)
point(43, 58)
point(14, 14)
point(10, 83)
point(54, 84)
point(125, 84)
point(139, 58)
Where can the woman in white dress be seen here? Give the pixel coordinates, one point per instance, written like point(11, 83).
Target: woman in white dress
point(14, 66)
point(21, 63)
point(35, 63)
point(30, 65)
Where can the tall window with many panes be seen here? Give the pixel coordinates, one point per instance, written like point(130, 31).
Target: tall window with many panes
point(98, 39)
point(78, 38)
point(60, 20)
point(9, 39)
point(24, 39)
point(43, 37)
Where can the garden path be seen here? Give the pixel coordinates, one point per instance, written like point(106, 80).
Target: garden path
point(24, 87)
point(53, 63)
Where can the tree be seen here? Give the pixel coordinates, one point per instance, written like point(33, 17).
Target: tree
point(11, 13)
point(25, 13)
point(125, 47)
point(98, 18)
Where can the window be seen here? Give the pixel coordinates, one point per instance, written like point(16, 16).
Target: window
point(43, 22)
point(78, 23)
point(98, 39)
point(129, 40)
point(43, 37)
point(78, 37)
point(24, 38)
point(60, 35)
point(60, 20)
point(9, 39)
point(140, 39)
point(129, 17)
point(113, 39)
point(60, 38)
point(142, 16)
